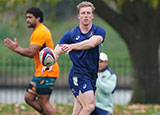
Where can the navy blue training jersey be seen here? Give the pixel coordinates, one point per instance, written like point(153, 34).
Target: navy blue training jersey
point(84, 61)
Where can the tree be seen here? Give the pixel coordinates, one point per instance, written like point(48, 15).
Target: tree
point(138, 22)
point(12, 10)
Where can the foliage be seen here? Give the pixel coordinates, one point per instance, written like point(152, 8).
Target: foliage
point(10, 4)
point(151, 3)
point(12, 10)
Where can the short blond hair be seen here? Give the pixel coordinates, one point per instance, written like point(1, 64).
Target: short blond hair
point(85, 4)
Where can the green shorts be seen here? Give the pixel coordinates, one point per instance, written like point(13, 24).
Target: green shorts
point(44, 82)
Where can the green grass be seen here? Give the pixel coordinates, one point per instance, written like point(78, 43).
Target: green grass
point(134, 109)
point(137, 109)
point(23, 109)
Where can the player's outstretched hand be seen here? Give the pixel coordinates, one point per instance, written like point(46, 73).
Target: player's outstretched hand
point(66, 48)
point(45, 68)
point(11, 44)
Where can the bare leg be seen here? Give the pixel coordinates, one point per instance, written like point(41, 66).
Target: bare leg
point(77, 107)
point(45, 105)
point(31, 97)
point(39, 102)
point(33, 102)
point(87, 101)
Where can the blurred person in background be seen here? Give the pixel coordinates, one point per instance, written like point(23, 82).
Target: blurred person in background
point(105, 86)
point(40, 88)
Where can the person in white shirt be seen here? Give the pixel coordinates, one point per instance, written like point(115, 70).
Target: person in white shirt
point(106, 84)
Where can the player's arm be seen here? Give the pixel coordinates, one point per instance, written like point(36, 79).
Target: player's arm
point(58, 50)
point(88, 44)
point(28, 52)
point(84, 45)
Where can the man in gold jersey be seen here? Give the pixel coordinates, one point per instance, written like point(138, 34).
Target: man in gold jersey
point(40, 88)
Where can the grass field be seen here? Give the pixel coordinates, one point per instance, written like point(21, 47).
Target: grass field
point(134, 109)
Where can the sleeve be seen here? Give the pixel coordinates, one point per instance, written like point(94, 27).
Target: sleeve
point(66, 38)
point(107, 85)
point(38, 38)
point(101, 32)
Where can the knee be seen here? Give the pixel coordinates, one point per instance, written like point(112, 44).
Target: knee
point(43, 103)
point(75, 112)
point(26, 98)
point(90, 107)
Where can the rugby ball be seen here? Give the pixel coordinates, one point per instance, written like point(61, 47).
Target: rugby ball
point(47, 57)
